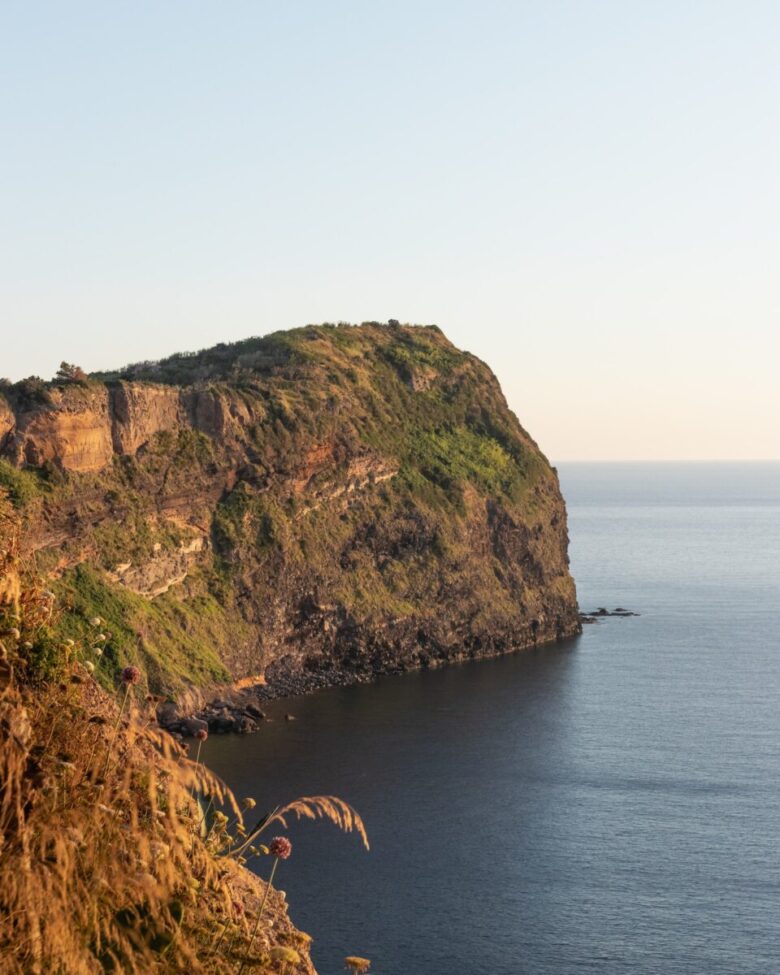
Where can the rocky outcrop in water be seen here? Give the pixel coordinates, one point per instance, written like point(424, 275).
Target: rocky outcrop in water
point(316, 506)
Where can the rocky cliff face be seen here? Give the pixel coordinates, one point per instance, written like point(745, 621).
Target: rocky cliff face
point(334, 501)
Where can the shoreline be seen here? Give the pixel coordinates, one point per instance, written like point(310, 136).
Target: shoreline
point(236, 709)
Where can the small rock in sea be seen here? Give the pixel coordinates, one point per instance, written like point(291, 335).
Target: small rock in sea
point(603, 611)
point(223, 723)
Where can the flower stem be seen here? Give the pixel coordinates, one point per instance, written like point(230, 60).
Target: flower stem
point(116, 729)
point(259, 916)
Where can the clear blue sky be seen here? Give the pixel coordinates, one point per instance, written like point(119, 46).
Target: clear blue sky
point(585, 194)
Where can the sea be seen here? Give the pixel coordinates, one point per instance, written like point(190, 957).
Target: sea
point(606, 804)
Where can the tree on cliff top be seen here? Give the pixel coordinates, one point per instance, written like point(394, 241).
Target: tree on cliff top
point(68, 373)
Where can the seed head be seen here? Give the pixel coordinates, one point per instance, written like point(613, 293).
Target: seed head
point(131, 675)
point(357, 965)
point(89, 666)
point(285, 954)
point(280, 847)
point(201, 734)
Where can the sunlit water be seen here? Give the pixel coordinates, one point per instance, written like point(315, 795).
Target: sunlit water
point(611, 804)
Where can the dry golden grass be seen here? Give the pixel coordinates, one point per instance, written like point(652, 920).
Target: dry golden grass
point(107, 861)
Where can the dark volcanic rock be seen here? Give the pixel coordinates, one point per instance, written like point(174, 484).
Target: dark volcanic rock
point(603, 611)
point(191, 726)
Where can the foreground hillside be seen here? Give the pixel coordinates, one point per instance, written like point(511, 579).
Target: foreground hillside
point(322, 504)
point(119, 851)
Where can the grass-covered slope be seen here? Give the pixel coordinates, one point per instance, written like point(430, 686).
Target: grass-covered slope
point(332, 501)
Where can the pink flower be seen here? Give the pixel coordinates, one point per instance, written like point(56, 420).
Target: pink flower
point(131, 675)
point(280, 847)
point(201, 734)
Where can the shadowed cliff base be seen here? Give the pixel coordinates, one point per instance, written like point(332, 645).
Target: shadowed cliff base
point(319, 505)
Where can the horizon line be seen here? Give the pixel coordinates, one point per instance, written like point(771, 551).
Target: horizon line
point(666, 460)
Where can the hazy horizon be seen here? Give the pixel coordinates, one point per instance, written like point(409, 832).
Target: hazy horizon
point(583, 195)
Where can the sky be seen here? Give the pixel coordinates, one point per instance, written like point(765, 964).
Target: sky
point(583, 194)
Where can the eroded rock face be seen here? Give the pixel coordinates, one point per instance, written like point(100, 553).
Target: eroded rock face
point(7, 422)
point(317, 506)
point(139, 411)
point(162, 571)
point(73, 433)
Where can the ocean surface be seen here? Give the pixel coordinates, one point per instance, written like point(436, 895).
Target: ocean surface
point(609, 804)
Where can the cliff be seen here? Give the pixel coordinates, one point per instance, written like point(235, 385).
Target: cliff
point(331, 503)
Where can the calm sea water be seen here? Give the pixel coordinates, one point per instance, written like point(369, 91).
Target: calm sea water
point(611, 804)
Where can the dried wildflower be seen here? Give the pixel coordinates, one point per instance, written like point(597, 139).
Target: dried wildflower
point(248, 803)
point(27, 645)
point(95, 621)
point(131, 675)
point(98, 651)
point(357, 965)
point(15, 633)
point(283, 953)
point(101, 637)
point(89, 666)
point(201, 734)
point(280, 847)
point(70, 643)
